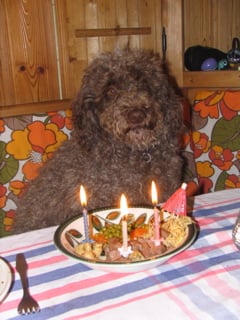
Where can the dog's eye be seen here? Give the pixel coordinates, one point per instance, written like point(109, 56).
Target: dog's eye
point(111, 91)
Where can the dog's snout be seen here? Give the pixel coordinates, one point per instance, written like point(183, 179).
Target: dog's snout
point(136, 116)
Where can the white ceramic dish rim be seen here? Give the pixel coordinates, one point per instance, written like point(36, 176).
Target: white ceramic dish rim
point(118, 266)
point(5, 278)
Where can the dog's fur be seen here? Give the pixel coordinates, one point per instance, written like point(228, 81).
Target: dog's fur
point(127, 122)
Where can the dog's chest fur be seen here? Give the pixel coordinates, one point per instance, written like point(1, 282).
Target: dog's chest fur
point(114, 172)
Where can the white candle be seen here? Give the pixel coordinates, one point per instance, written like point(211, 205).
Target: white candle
point(156, 215)
point(125, 250)
point(124, 234)
point(124, 212)
point(83, 200)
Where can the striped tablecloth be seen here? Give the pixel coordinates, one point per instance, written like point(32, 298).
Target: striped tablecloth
point(202, 282)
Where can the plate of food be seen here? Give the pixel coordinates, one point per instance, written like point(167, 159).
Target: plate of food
point(102, 244)
point(5, 278)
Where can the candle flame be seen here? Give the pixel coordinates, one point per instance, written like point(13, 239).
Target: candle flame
point(83, 197)
point(123, 205)
point(154, 193)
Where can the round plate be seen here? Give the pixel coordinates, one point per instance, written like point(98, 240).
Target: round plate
point(5, 279)
point(76, 223)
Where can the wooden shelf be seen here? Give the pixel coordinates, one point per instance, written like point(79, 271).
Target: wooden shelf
point(211, 79)
point(32, 108)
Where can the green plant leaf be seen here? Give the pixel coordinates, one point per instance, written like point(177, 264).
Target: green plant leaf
point(9, 166)
point(220, 183)
point(227, 134)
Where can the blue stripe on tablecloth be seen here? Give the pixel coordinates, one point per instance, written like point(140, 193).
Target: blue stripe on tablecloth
point(178, 275)
point(208, 211)
point(52, 276)
point(206, 303)
point(32, 252)
point(204, 232)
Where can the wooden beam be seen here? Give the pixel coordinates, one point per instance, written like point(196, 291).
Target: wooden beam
point(108, 32)
point(33, 108)
point(208, 79)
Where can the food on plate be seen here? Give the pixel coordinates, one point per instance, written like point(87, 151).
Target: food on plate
point(107, 240)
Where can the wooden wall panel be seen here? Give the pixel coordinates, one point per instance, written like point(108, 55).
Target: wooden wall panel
point(172, 19)
point(122, 20)
point(30, 50)
point(6, 81)
point(211, 23)
point(107, 15)
point(33, 69)
point(107, 18)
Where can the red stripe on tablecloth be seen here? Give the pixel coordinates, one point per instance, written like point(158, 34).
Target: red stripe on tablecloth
point(190, 253)
point(207, 221)
point(214, 204)
point(47, 261)
point(82, 284)
point(27, 247)
point(224, 289)
point(68, 288)
point(182, 306)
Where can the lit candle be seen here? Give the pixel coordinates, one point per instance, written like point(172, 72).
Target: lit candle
point(125, 250)
point(156, 215)
point(83, 200)
point(124, 209)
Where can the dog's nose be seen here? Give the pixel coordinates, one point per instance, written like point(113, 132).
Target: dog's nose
point(136, 116)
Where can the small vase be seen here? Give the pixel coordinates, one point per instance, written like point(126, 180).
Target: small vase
point(236, 232)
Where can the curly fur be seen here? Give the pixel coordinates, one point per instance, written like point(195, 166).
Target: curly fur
point(127, 122)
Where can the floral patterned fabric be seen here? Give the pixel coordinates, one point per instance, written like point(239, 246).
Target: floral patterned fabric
point(216, 139)
point(26, 143)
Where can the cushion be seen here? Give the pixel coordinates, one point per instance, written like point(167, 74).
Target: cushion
point(26, 143)
point(216, 139)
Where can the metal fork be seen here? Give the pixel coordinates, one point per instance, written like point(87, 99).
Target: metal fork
point(27, 304)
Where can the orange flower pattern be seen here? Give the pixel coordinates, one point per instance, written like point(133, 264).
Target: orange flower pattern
point(211, 104)
point(201, 143)
point(27, 142)
point(3, 197)
point(232, 181)
point(2, 128)
point(216, 139)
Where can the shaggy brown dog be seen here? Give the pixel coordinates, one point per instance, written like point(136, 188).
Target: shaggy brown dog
point(127, 125)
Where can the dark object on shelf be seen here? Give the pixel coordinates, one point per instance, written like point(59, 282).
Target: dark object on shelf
point(233, 55)
point(223, 64)
point(194, 56)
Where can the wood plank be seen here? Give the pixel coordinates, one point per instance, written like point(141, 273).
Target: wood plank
point(107, 19)
point(133, 21)
point(78, 47)
point(7, 89)
point(211, 23)
point(158, 26)
point(32, 108)
point(225, 79)
point(122, 21)
point(63, 49)
point(32, 51)
point(173, 21)
point(109, 32)
point(146, 21)
point(91, 22)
